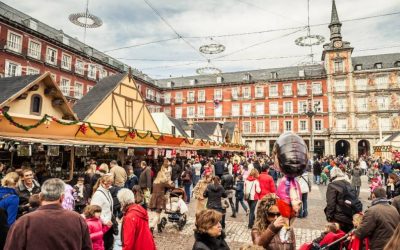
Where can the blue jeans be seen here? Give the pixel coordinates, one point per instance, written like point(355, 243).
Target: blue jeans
point(241, 203)
point(196, 179)
point(187, 191)
point(304, 207)
point(252, 216)
point(317, 179)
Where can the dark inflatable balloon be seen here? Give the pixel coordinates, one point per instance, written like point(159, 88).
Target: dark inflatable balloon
point(290, 152)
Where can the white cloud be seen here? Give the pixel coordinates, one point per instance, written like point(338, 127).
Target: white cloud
point(133, 22)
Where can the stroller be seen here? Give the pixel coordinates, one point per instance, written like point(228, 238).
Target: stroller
point(176, 208)
point(338, 241)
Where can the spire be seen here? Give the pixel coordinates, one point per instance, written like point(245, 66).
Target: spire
point(334, 14)
point(335, 24)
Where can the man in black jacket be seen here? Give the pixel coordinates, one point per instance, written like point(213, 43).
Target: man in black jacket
point(227, 182)
point(317, 170)
point(219, 167)
point(26, 188)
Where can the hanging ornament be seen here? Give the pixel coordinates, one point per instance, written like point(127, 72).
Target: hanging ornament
point(132, 134)
point(216, 103)
point(47, 122)
point(83, 128)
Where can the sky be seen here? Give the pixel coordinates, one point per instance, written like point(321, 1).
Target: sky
point(257, 34)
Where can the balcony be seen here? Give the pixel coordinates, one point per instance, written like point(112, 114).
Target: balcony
point(201, 99)
point(190, 100)
point(260, 96)
point(287, 93)
point(178, 100)
point(151, 98)
point(217, 98)
point(234, 97)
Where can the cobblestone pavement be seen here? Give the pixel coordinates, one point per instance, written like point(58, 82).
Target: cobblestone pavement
point(236, 228)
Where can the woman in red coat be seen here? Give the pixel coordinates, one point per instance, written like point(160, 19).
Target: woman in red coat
point(266, 181)
point(135, 232)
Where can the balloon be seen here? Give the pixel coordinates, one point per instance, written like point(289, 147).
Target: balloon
point(290, 153)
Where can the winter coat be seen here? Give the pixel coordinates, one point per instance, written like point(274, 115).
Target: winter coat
point(304, 182)
point(215, 193)
point(251, 189)
point(396, 203)
point(204, 241)
point(187, 177)
point(120, 175)
point(227, 181)
point(69, 200)
point(391, 193)
point(239, 190)
point(131, 181)
point(317, 168)
point(219, 167)
point(270, 238)
point(267, 184)
point(24, 194)
point(9, 201)
point(103, 198)
point(176, 172)
point(158, 200)
point(49, 227)
point(145, 178)
point(135, 231)
point(378, 224)
point(333, 210)
point(96, 231)
point(356, 177)
point(387, 168)
point(3, 228)
point(199, 189)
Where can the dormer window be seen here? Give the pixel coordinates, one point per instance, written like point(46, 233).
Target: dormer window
point(274, 75)
point(397, 64)
point(36, 104)
point(247, 77)
point(220, 79)
point(358, 67)
point(378, 65)
point(193, 81)
point(301, 73)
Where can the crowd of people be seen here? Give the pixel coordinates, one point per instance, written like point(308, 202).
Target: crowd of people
point(87, 213)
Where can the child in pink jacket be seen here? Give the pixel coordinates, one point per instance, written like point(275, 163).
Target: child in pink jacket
point(96, 228)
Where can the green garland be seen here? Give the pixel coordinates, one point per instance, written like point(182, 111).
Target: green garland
point(26, 128)
point(97, 132)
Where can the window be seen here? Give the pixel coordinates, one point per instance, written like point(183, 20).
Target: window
point(358, 67)
point(79, 67)
point(235, 93)
point(273, 90)
point(65, 86)
point(218, 111)
point(378, 65)
point(259, 91)
point(287, 90)
point(302, 106)
point(339, 85)
point(32, 24)
point(36, 104)
point(34, 48)
point(273, 108)
point(382, 102)
point(361, 83)
point(92, 71)
point(150, 94)
point(190, 96)
point(201, 96)
point(341, 124)
point(260, 127)
point(158, 97)
point(236, 109)
point(302, 89)
point(318, 105)
point(303, 126)
point(88, 88)
point(246, 127)
point(288, 125)
point(167, 98)
point(362, 105)
point(260, 108)
point(167, 111)
point(178, 97)
point(381, 82)
point(341, 105)
point(32, 71)
point(178, 112)
point(274, 126)
point(12, 69)
point(246, 109)
point(78, 90)
point(386, 125)
point(288, 108)
point(316, 88)
point(103, 73)
point(318, 125)
point(66, 61)
point(191, 112)
point(201, 111)
point(14, 42)
point(362, 124)
point(338, 66)
point(218, 94)
point(51, 56)
point(246, 92)
point(274, 75)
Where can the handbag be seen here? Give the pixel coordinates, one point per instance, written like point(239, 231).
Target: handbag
point(225, 203)
point(247, 196)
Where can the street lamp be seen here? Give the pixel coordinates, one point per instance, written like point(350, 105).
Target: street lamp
point(310, 111)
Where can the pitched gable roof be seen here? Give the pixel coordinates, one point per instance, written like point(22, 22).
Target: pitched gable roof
point(88, 103)
point(208, 127)
point(229, 127)
point(11, 86)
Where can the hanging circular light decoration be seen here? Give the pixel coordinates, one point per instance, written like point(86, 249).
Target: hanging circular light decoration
point(208, 71)
point(212, 48)
point(309, 40)
point(85, 20)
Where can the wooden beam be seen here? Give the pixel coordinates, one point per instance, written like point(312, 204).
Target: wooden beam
point(119, 113)
point(71, 165)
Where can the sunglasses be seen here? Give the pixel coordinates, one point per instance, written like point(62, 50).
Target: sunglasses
point(270, 214)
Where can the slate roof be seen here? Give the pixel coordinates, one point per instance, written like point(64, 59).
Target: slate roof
point(208, 127)
point(182, 125)
point(9, 86)
point(228, 127)
point(393, 136)
point(368, 62)
point(88, 103)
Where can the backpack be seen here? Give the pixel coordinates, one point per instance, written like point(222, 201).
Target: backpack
point(348, 200)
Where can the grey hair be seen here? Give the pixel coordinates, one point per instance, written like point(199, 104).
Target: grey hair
point(125, 197)
point(52, 189)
